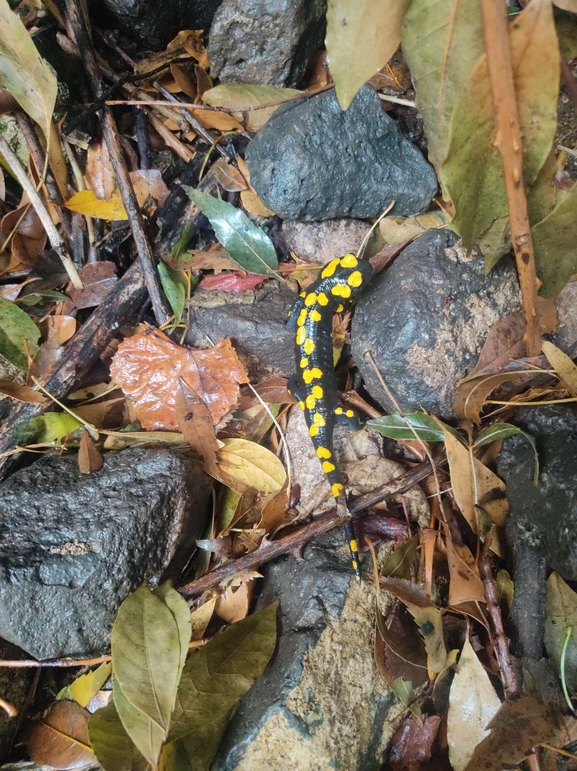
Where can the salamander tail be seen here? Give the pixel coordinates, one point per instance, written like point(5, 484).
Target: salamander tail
point(350, 533)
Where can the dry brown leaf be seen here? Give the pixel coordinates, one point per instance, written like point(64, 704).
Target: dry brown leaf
point(149, 183)
point(182, 76)
point(274, 512)
point(196, 423)
point(216, 259)
point(466, 584)
point(412, 745)
point(472, 394)
point(99, 278)
point(89, 457)
point(233, 605)
point(107, 414)
point(254, 205)
point(229, 177)
point(21, 393)
point(214, 119)
point(200, 618)
point(99, 174)
point(562, 365)
point(148, 366)
point(60, 738)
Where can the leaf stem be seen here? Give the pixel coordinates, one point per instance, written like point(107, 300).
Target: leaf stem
point(508, 141)
point(562, 668)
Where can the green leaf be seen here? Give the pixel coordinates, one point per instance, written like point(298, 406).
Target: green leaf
point(146, 664)
point(178, 606)
point(16, 329)
point(215, 677)
point(442, 42)
point(398, 563)
point(85, 687)
point(50, 427)
point(395, 426)
point(248, 245)
point(174, 757)
point(23, 72)
point(472, 173)
point(361, 38)
point(566, 25)
point(178, 250)
point(175, 288)
point(405, 693)
point(47, 294)
point(495, 242)
point(554, 245)
point(111, 744)
point(561, 613)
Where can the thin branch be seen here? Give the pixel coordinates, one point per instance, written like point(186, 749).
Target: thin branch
point(77, 19)
point(56, 240)
point(26, 663)
point(509, 143)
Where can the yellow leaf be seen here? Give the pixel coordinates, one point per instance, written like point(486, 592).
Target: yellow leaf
point(252, 464)
point(85, 687)
point(254, 205)
point(85, 202)
point(562, 365)
point(200, 618)
point(361, 38)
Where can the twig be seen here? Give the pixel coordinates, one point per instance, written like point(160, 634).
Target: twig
point(77, 20)
point(25, 663)
point(500, 641)
point(509, 143)
point(295, 540)
point(56, 240)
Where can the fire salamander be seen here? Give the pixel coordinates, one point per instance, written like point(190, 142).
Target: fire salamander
point(340, 282)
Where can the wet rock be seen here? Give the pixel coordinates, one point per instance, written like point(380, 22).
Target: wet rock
point(73, 546)
point(425, 320)
point(14, 686)
point(312, 161)
point(566, 335)
point(323, 241)
point(254, 321)
point(545, 517)
point(265, 42)
point(155, 24)
point(321, 703)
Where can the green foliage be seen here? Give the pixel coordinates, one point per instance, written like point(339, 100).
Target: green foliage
point(560, 614)
point(554, 245)
point(50, 427)
point(247, 244)
point(17, 330)
point(175, 288)
point(395, 426)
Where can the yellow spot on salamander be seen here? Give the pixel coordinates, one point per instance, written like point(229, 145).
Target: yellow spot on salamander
point(323, 452)
point(310, 402)
point(354, 562)
point(304, 363)
point(302, 317)
point(308, 344)
point(317, 392)
point(340, 308)
point(355, 279)
point(350, 414)
point(312, 374)
point(310, 299)
point(341, 290)
point(354, 546)
point(337, 489)
point(303, 294)
point(315, 315)
point(349, 261)
point(322, 298)
point(328, 466)
point(318, 420)
point(302, 405)
point(339, 411)
point(329, 269)
point(301, 336)
point(313, 430)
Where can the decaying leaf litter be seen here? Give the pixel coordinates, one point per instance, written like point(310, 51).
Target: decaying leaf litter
point(94, 311)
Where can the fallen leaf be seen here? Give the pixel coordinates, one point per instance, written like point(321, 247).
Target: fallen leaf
point(21, 393)
point(465, 582)
point(553, 243)
point(430, 623)
point(233, 605)
point(196, 423)
point(274, 512)
point(252, 203)
point(85, 202)
point(241, 96)
point(228, 176)
point(215, 677)
point(46, 428)
point(499, 431)
point(412, 744)
point(360, 39)
point(98, 278)
point(18, 333)
point(99, 174)
point(272, 391)
point(112, 746)
point(400, 230)
point(247, 244)
point(147, 183)
point(175, 286)
point(148, 366)
point(562, 365)
point(29, 238)
point(85, 687)
point(178, 606)
point(411, 424)
point(60, 738)
point(195, 259)
point(473, 393)
point(184, 78)
point(23, 72)
point(399, 562)
point(89, 457)
point(235, 283)
point(560, 614)
point(472, 705)
point(252, 464)
point(200, 619)
point(516, 728)
point(399, 649)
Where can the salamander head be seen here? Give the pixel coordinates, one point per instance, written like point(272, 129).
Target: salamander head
point(354, 273)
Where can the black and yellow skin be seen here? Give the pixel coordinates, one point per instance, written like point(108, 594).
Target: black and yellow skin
point(339, 284)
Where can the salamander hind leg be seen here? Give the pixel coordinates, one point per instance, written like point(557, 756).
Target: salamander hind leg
point(338, 490)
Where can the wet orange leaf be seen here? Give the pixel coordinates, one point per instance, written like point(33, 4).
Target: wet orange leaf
point(148, 366)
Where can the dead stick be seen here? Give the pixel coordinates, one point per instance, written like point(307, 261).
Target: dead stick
point(508, 142)
point(500, 641)
point(24, 663)
point(56, 240)
point(77, 18)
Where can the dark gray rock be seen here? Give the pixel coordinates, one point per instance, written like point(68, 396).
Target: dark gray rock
point(73, 546)
point(154, 23)
point(265, 42)
point(312, 161)
point(425, 320)
point(320, 703)
point(545, 517)
point(254, 321)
